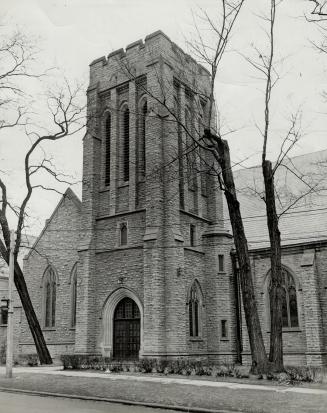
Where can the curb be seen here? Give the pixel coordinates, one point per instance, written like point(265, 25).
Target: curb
point(117, 401)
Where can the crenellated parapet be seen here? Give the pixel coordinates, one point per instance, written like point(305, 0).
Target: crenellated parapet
point(135, 60)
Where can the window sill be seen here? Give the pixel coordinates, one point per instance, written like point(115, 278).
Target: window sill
point(123, 184)
point(224, 339)
point(195, 339)
point(3, 325)
point(194, 249)
point(72, 328)
point(106, 189)
point(289, 330)
point(49, 329)
point(122, 247)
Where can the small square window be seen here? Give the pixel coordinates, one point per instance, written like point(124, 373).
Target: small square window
point(223, 330)
point(192, 235)
point(221, 263)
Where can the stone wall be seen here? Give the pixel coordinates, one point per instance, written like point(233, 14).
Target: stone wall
point(57, 247)
point(305, 344)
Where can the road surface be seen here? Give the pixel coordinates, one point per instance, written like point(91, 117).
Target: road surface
point(21, 403)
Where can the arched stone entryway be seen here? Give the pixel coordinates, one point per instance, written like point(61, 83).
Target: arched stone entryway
point(122, 324)
point(126, 334)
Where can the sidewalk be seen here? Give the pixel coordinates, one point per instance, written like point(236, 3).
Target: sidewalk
point(57, 370)
point(187, 394)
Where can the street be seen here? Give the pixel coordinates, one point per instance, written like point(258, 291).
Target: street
point(21, 403)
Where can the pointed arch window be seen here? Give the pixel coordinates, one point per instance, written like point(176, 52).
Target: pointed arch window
point(194, 308)
point(50, 292)
point(290, 315)
point(125, 130)
point(123, 234)
point(73, 283)
point(190, 151)
point(107, 149)
point(180, 152)
point(142, 133)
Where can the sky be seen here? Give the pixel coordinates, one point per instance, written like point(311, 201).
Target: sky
point(72, 33)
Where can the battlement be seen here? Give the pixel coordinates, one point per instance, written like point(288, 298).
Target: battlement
point(154, 44)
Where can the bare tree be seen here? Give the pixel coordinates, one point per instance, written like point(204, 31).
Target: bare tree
point(66, 116)
point(214, 142)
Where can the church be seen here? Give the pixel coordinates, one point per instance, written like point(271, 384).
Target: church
point(144, 265)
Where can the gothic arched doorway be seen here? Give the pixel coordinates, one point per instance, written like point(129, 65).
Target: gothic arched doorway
point(126, 337)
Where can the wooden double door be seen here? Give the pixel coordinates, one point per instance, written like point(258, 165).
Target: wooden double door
point(126, 337)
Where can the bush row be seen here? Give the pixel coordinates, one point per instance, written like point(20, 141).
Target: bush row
point(187, 367)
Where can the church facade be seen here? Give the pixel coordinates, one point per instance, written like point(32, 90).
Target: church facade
point(143, 266)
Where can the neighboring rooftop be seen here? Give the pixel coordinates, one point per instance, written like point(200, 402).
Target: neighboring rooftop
point(306, 221)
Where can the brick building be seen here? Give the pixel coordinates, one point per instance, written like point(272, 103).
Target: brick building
point(142, 266)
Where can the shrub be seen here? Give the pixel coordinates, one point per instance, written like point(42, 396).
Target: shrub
point(30, 360)
point(146, 365)
point(241, 372)
point(3, 352)
point(307, 374)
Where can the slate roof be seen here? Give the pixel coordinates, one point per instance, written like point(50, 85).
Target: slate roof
point(306, 221)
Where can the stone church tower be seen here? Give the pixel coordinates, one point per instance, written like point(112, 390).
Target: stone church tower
point(154, 262)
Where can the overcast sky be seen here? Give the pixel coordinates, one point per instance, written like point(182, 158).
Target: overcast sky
point(72, 33)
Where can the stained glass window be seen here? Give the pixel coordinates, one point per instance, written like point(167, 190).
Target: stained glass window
point(289, 303)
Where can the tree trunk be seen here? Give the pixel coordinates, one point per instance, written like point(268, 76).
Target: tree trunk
point(259, 357)
point(276, 289)
point(40, 344)
point(34, 325)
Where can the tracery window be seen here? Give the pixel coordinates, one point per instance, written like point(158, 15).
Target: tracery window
point(50, 287)
point(107, 149)
point(194, 305)
point(289, 305)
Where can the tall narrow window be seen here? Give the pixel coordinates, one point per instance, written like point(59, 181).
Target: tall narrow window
point(194, 310)
point(289, 305)
point(3, 315)
point(223, 328)
point(180, 151)
point(221, 263)
point(73, 295)
point(192, 235)
point(107, 143)
point(141, 151)
point(50, 297)
point(123, 233)
point(203, 163)
point(190, 152)
point(126, 144)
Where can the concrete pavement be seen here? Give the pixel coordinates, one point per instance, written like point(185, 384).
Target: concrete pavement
point(58, 370)
point(27, 403)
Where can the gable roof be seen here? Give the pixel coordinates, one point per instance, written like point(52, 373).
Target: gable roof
point(70, 194)
point(306, 221)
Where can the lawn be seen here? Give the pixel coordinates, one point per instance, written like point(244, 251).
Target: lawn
point(252, 401)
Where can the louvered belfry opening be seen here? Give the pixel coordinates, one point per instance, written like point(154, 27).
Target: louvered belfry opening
point(142, 158)
point(108, 139)
point(126, 337)
point(126, 145)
